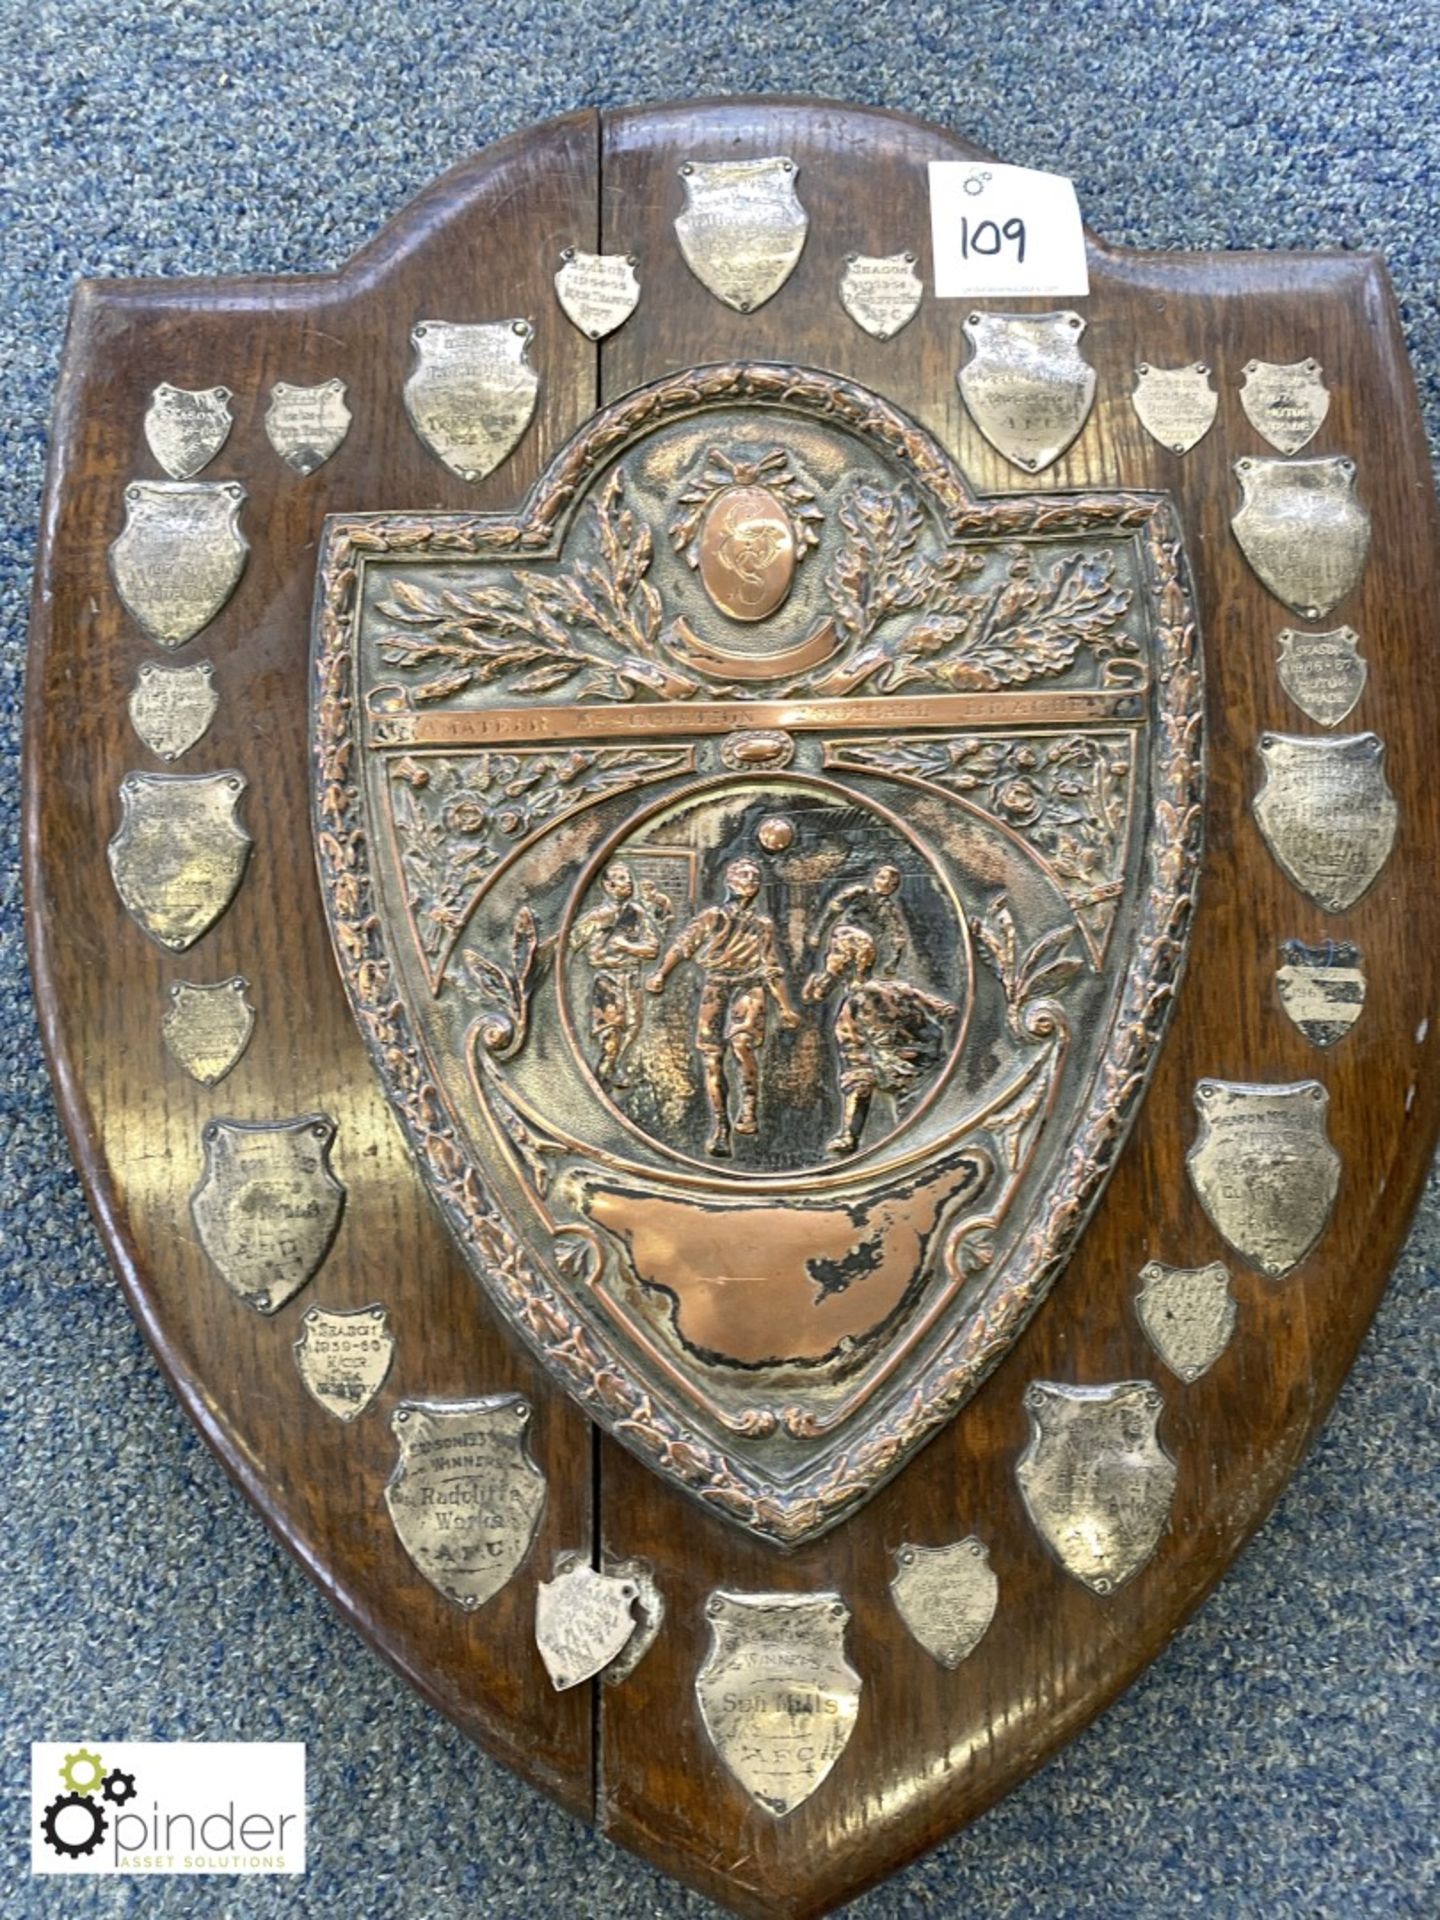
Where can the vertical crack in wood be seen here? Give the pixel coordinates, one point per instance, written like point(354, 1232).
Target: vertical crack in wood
point(597, 1439)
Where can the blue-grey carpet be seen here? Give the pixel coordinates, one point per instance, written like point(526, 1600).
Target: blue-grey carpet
point(1279, 1761)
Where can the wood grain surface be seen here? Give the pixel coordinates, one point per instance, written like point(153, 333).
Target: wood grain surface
point(931, 1748)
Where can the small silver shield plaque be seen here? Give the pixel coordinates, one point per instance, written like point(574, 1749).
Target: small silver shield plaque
point(465, 1497)
point(1323, 673)
point(186, 429)
point(583, 1620)
point(207, 1028)
point(1302, 529)
point(268, 1205)
point(305, 425)
point(1175, 405)
point(472, 391)
point(170, 707)
point(343, 1356)
point(179, 555)
point(1327, 813)
point(1095, 1480)
point(598, 292)
point(881, 293)
point(1321, 988)
point(743, 227)
point(946, 1596)
point(1286, 405)
point(1188, 1314)
point(777, 1695)
point(1264, 1168)
point(1026, 385)
point(179, 852)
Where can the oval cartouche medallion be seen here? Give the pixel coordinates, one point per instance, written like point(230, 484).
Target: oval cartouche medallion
point(747, 553)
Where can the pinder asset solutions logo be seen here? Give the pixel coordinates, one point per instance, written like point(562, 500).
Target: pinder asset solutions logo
point(174, 1807)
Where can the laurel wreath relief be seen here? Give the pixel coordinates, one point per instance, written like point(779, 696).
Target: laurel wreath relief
point(909, 619)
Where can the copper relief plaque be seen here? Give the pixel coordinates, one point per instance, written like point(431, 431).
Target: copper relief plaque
point(781, 872)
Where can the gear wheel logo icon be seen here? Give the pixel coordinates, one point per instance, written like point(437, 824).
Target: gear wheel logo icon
point(82, 1772)
point(77, 1820)
point(75, 1842)
point(118, 1787)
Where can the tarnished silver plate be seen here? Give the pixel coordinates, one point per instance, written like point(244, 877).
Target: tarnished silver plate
point(1095, 1480)
point(881, 293)
point(1026, 385)
point(777, 1695)
point(1188, 1315)
point(465, 1497)
point(743, 227)
point(207, 1028)
point(268, 1205)
point(343, 1356)
point(649, 1606)
point(171, 707)
point(179, 555)
point(179, 853)
point(1286, 405)
point(1264, 1168)
point(1302, 529)
point(1327, 813)
point(305, 425)
point(185, 429)
point(946, 1596)
point(597, 292)
point(472, 391)
point(1323, 673)
point(1322, 988)
point(1175, 405)
point(584, 1620)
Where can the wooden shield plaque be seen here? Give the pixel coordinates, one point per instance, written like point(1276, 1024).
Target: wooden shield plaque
point(772, 1147)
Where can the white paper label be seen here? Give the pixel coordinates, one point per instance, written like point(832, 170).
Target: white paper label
point(1004, 231)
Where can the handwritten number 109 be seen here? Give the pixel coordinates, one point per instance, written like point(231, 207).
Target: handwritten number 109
point(987, 237)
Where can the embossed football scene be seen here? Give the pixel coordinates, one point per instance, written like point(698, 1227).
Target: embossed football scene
point(765, 972)
point(779, 873)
